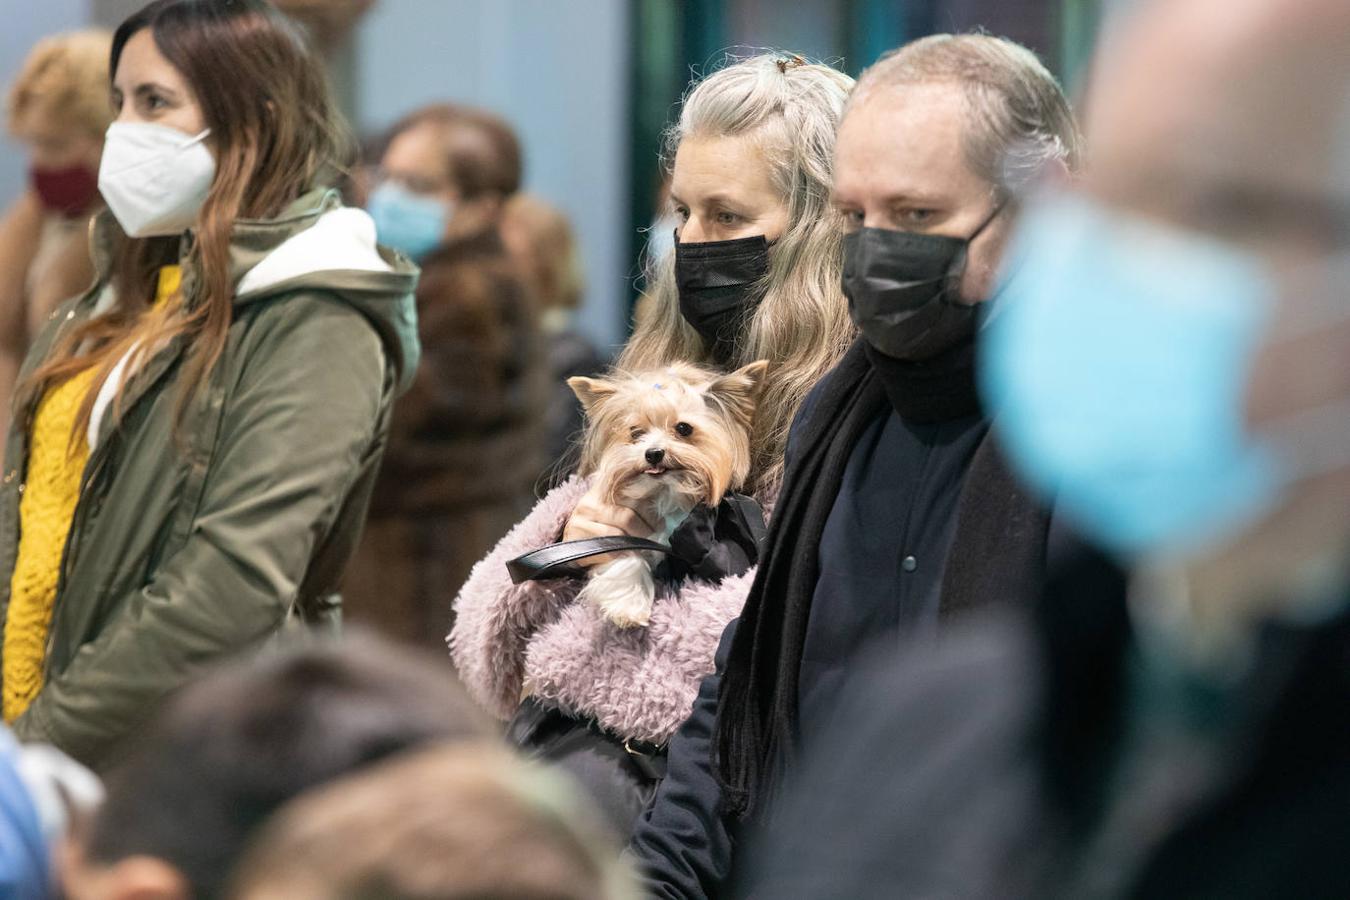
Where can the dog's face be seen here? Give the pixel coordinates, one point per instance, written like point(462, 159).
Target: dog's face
point(683, 429)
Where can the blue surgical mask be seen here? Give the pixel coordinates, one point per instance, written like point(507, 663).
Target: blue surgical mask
point(1116, 362)
point(407, 221)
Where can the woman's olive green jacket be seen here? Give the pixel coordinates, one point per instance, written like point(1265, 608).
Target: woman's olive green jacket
point(185, 548)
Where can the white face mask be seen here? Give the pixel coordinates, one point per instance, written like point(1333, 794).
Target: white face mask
point(153, 178)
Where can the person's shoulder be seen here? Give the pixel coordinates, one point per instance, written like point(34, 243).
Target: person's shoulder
point(811, 402)
point(810, 407)
point(311, 324)
point(819, 401)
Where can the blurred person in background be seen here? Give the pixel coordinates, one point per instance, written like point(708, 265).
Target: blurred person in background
point(58, 109)
point(467, 440)
point(196, 436)
point(241, 742)
point(898, 514)
point(755, 275)
point(540, 240)
point(44, 795)
point(455, 823)
point(1170, 359)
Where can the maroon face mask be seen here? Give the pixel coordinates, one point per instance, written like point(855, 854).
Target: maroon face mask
point(70, 191)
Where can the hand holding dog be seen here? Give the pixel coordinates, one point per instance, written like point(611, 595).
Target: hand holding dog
point(593, 517)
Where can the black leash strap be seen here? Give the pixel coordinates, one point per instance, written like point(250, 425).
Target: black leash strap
point(555, 560)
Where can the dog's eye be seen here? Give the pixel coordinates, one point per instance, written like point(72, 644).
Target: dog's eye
point(635, 434)
point(684, 429)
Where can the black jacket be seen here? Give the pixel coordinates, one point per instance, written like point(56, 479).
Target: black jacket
point(1042, 757)
point(886, 554)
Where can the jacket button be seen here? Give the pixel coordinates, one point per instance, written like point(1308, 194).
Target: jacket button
point(909, 564)
point(9, 476)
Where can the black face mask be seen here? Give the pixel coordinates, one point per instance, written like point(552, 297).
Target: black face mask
point(719, 284)
point(902, 290)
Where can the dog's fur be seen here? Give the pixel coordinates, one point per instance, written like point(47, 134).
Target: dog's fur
point(661, 443)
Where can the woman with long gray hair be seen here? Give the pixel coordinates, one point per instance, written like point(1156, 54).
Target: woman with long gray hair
point(755, 274)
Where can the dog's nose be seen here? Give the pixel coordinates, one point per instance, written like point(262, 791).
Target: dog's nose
point(655, 455)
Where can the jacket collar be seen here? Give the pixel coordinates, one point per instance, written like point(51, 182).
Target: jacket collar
point(250, 241)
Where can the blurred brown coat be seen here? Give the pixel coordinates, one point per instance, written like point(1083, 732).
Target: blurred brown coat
point(465, 446)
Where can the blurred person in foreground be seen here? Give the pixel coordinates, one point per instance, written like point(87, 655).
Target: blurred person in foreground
point(467, 441)
point(58, 109)
point(541, 241)
point(44, 794)
point(1173, 362)
point(455, 823)
point(898, 515)
point(229, 750)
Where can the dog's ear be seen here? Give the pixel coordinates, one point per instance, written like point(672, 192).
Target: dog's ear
point(591, 391)
point(740, 389)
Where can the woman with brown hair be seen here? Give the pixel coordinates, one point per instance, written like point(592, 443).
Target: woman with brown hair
point(195, 437)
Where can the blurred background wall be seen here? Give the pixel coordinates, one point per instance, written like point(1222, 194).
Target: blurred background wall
point(590, 84)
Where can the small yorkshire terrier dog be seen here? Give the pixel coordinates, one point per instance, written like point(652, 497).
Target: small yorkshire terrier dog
point(661, 443)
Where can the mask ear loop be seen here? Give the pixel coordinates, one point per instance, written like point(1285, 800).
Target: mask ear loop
point(957, 269)
point(998, 208)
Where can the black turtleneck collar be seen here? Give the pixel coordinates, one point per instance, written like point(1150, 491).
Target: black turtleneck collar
point(934, 390)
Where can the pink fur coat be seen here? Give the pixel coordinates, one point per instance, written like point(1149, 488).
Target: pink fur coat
point(509, 640)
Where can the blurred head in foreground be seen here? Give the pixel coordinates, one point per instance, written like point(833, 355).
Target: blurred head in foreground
point(231, 749)
point(1171, 356)
point(447, 824)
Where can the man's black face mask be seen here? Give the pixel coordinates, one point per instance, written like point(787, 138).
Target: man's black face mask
point(903, 289)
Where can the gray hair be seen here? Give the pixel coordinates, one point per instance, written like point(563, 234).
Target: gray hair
point(792, 107)
point(1020, 120)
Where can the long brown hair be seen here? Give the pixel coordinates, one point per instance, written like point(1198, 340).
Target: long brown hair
point(275, 133)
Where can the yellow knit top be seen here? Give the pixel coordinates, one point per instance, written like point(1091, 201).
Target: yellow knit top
point(50, 490)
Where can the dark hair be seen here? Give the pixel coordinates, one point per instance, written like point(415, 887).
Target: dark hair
point(482, 153)
point(229, 750)
point(276, 135)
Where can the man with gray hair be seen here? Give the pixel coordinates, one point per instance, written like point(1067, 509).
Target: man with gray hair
point(1169, 359)
point(898, 514)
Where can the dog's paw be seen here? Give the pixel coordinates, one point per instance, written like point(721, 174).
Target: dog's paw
point(628, 612)
point(623, 591)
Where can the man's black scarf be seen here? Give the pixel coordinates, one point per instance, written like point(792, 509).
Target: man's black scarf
point(997, 553)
